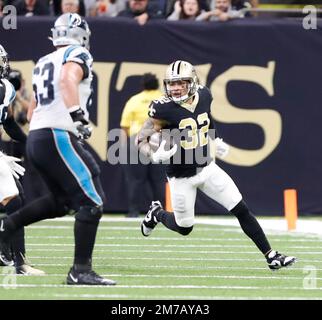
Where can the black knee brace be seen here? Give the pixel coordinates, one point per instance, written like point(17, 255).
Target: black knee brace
point(89, 214)
point(184, 231)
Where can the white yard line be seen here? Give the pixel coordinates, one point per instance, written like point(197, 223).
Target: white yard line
point(109, 258)
point(193, 252)
point(153, 238)
point(169, 267)
point(311, 226)
point(30, 285)
point(293, 249)
point(178, 297)
point(131, 245)
point(205, 276)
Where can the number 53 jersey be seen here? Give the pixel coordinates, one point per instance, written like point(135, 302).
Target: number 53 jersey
point(51, 111)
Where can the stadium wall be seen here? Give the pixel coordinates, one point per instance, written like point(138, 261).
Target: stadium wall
point(265, 76)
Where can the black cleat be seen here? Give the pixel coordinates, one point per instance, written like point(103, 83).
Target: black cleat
point(277, 260)
point(150, 221)
point(6, 259)
point(26, 268)
point(90, 278)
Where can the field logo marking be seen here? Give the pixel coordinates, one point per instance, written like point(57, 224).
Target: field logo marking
point(310, 280)
point(9, 281)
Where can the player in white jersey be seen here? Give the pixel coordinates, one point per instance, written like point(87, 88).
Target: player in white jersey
point(11, 192)
point(50, 111)
point(59, 119)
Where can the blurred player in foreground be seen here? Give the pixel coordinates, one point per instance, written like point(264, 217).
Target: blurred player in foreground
point(11, 192)
point(59, 123)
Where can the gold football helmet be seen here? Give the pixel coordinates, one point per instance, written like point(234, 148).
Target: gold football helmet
point(181, 71)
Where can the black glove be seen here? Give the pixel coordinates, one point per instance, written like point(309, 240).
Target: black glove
point(82, 125)
point(78, 116)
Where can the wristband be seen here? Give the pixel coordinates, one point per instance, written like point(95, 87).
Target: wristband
point(73, 108)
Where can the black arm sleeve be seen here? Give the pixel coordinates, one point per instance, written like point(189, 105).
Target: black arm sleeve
point(213, 134)
point(13, 130)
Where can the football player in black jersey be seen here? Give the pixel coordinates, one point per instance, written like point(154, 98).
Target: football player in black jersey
point(11, 192)
point(186, 109)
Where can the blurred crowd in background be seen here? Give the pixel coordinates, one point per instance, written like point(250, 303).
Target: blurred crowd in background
point(143, 10)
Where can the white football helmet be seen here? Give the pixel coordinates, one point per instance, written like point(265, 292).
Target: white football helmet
point(181, 70)
point(4, 63)
point(70, 28)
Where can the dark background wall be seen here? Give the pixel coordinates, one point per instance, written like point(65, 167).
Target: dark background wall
point(282, 60)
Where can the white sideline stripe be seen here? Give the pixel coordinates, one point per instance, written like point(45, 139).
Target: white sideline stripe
point(311, 226)
point(29, 285)
point(174, 276)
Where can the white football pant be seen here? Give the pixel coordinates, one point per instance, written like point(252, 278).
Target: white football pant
point(211, 180)
point(8, 187)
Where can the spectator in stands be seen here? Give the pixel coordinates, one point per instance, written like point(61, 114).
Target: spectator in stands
point(187, 10)
point(110, 8)
point(223, 11)
point(240, 4)
point(138, 176)
point(70, 6)
point(30, 8)
point(64, 6)
point(204, 5)
point(141, 11)
point(236, 4)
point(90, 8)
point(162, 5)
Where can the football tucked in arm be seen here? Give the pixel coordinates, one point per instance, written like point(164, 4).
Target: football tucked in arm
point(156, 138)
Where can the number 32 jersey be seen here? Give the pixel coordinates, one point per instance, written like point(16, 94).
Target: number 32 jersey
point(51, 111)
point(189, 125)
